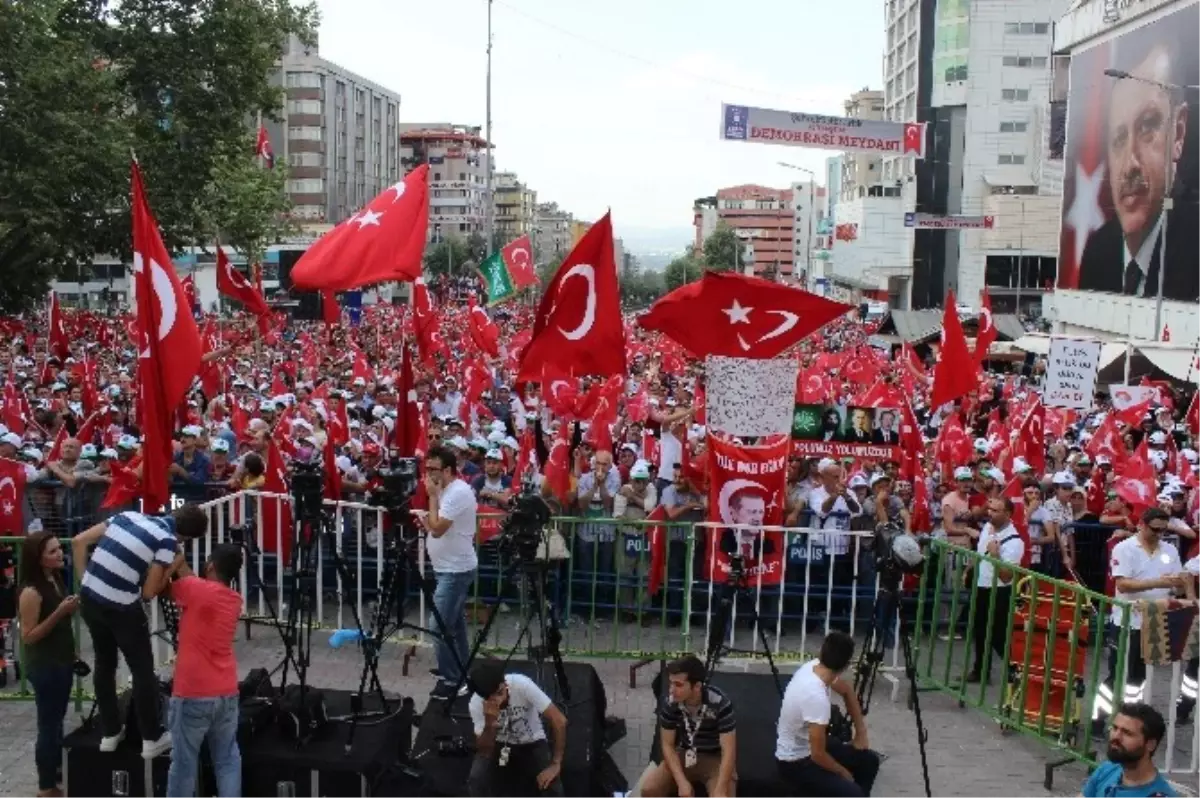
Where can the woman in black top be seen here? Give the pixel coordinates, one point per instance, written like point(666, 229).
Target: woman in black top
point(46, 613)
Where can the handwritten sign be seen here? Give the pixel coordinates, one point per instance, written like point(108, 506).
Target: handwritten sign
point(1071, 373)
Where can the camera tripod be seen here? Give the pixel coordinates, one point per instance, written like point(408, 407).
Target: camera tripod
point(735, 585)
point(866, 669)
point(534, 575)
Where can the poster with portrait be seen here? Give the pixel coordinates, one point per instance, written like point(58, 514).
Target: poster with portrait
point(1131, 140)
point(748, 488)
point(846, 431)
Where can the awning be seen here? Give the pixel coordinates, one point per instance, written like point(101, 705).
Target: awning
point(1179, 363)
point(914, 326)
point(1009, 326)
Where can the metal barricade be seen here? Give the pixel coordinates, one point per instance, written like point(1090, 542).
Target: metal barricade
point(1053, 677)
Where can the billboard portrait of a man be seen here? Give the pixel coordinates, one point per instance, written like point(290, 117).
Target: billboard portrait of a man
point(1131, 143)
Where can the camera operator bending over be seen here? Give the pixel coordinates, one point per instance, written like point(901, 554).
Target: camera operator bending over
point(809, 760)
point(136, 556)
point(699, 743)
point(511, 752)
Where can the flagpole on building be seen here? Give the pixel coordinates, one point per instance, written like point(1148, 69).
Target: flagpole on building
point(488, 206)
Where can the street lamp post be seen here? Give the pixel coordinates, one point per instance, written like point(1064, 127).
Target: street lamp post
point(1171, 89)
point(812, 179)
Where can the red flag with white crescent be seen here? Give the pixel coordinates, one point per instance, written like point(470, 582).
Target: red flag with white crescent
point(747, 490)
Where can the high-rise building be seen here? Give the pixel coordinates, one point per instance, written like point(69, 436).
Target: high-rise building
point(516, 207)
point(552, 232)
point(458, 162)
point(338, 135)
point(761, 218)
point(977, 73)
point(807, 200)
point(862, 172)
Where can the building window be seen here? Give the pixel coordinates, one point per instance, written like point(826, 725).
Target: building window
point(1013, 127)
point(306, 185)
point(1014, 95)
point(306, 133)
point(304, 106)
point(1010, 160)
point(303, 80)
point(1026, 28)
point(306, 159)
point(308, 211)
point(1037, 62)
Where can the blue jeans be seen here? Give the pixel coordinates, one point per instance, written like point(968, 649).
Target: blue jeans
point(191, 721)
point(450, 599)
point(52, 695)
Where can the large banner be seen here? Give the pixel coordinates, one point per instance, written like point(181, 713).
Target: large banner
point(933, 221)
point(748, 487)
point(1128, 139)
point(795, 129)
point(843, 431)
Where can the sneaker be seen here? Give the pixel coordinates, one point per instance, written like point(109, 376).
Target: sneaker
point(152, 748)
point(441, 691)
point(464, 691)
point(109, 744)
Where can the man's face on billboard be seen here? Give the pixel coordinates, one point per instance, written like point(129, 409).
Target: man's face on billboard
point(1140, 120)
point(749, 510)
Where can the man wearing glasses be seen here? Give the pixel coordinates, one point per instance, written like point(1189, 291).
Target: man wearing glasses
point(1144, 568)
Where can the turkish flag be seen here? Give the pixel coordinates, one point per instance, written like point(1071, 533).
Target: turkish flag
point(1136, 485)
point(331, 312)
point(558, 464)
point(408, 424)
point(956, 373)
point(484, 331)
point(914, 138)
point(987, 329)
point(262, 148)
point(169, 345)
point(276, 520)
point(383, 242)
point(233, 284)
point(1033, 436)
point(657, 540)
point(518, 256)
point(189, 290)
point(59, 342)
point(123, 487)
point(1192, 418)
point(12, 497)
point(747, 489)
point(730, 314)
point(578, 324)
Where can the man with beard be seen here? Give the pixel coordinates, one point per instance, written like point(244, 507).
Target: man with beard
point(1146, 131)
point(1133, 740)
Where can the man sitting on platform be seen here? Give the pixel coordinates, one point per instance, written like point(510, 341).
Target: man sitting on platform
point(511, 752)
point(699, 743)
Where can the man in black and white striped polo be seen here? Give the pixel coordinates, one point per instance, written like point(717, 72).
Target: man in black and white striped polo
point(699, 743)
point(135, 557)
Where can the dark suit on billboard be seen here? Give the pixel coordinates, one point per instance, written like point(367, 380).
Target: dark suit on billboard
point(886, 437)
point(1103, 267)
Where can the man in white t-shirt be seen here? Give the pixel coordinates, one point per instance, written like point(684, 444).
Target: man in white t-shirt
point(809, 760)
point(512, 756)
point(451, 547)
point(999, 540)
point(1144, 567)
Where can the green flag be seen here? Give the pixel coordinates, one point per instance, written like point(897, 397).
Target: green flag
point(499, 281)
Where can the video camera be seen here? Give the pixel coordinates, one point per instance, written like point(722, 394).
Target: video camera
point(398, 482)
point(896, 553)
point(524, 530)
point(308, 490)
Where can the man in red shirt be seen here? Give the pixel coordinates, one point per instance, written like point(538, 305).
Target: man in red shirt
point(204, 704)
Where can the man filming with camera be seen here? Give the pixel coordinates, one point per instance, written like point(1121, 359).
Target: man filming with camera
point(511, 752)
point(450, 523)
point(810, 760)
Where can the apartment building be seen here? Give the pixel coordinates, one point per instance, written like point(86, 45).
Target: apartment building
point(515, 206)
point(761, 217)
point(862, 171)
point(458, 158)
point(553, 230)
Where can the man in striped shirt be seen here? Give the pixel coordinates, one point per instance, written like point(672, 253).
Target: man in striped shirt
point(134, 559)
point(698, 736)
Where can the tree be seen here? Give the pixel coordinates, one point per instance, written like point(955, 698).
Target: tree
point(450, 256)
point(639, 288)
point(85, 82)
point(682, 270)
point(723, 251)
point(245, 204)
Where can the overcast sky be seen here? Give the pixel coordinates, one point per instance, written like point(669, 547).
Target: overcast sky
point(616, 104)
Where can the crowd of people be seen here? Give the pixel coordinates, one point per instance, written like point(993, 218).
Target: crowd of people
point(611, 451)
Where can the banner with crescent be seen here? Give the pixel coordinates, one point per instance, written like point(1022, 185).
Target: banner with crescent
point(12, 497)
point(747, 491)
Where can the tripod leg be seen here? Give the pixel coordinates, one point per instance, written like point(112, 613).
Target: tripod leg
point(910, 669)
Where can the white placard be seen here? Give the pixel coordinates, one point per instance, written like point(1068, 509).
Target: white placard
point(1071, 373)
point(1124, 396)
point(750, 397)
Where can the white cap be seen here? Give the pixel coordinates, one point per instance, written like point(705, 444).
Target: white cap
point(299, 423)
point(496, 436)
point(511, 442)
point(108, 453)
point(266, 406)
point(1158, 438)
point(878, 476)
point(629, 447)
point(995, 474)
point(962, 472)
point(1020, 466)
point(31, 453)
point(497, 426)
point(458, 442)
point(88, 450)
point(858, 481)
point(12, 439)
point(127, 442)
point(1159, 457)
point(378, 411)
point(479, 443)
point(826, 463)
point(343, 463)
point(494, 454)
point(219, 445)
point(639, 471)
point(192, 431)
point(981, 445)
point(359, 381)
point(1190, 455)
point(1064, 479)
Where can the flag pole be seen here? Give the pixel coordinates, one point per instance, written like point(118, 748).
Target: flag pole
point(489, 207)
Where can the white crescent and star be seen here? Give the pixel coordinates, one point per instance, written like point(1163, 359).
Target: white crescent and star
point(1085, 215)
point(985, 313)
point(164, 289)
point(522, 251)
point(554, 387)
point(588, 273)
point(9, 507)
point(368, 218)
point(399, 188)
